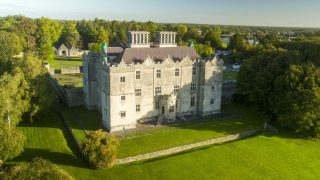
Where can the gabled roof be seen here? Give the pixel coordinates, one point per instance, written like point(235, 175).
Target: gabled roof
point(63, 46)
point(133, 55)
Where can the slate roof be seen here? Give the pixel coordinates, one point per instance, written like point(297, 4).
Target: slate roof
point(134, 55)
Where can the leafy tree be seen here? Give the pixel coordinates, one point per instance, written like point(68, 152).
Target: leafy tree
point(181, 32)
point(9, 46)
point(236, 42)
point(38, 168)
point(100, 148)
point(41, 94)
point(48, 32)
point(296, 99)
point(70, 35)
point(12, 143)
point(102, 36)
point(14, 96)
point(213, 37)
point(203, 50)
point(26, 28)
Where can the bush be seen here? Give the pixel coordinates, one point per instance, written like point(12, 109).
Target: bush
point(38, 168)
point(100, 149)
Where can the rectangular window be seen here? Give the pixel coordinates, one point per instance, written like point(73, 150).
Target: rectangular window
point(171, 109)
point(157, 105)
point(138, 92)
point(122, 79)
point(214, 73)
point(193, 86)
point(138, 108)
point(123, 98)
point(123, 114)
point(212, 101)
point(158, 73)
point(138, 75)
point(192, 101)
point(212, 87)
point(194, 71)
point(158, 90)
point(177, 72)
point(176, 89)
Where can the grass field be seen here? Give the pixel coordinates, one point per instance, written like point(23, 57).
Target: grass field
point(280, 156)
point(59, 62)
point(234, 119)
point(230, 75)
point(69, 80)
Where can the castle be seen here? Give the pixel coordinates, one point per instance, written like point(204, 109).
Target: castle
point(144, 82)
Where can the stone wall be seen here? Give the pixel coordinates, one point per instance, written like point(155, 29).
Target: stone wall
point(71, 70)
point(179, 149)
point(74, 97)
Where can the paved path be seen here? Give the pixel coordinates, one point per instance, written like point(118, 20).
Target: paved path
point(179, 149)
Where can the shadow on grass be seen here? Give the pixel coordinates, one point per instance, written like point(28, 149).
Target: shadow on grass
point(55, 157)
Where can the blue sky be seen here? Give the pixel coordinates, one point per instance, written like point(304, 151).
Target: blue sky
point(294, 13)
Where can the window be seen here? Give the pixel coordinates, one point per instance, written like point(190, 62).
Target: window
point(157, 105)
point(193, 86)
point(123, 98)
point(158, 90)
point(158, 73)
point(177, 72)
point(176, 89)
point(123, 114)
point(192, 102)
point(214, 73)
point(212, 87)
point(122, 79)
point(194, 71)
point(138, 76)
point(138, 108)
point(212, 101)
point(171, 109)
point(138, 92)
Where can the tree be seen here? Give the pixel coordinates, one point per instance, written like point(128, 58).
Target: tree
point(38, 168)
point(26, 28)
point(48, 32)
point(102, 36)
point(9, 46)
point(41, 94)
point(296, 99)
point(100, 149)
point(181, 32)
point(214, 38)
point(14, 96)
point(12, 143)
point(70, 35)
point(236, 42)
point(203, 50)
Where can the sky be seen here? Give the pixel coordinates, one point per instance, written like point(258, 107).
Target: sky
point(286, 13)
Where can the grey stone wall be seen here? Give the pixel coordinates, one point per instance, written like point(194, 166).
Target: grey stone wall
point(179, 149)
point(71, 70)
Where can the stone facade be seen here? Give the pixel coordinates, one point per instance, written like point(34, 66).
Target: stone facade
point(151, 90)
point(69, 52)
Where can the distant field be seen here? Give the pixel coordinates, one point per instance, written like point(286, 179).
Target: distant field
point(280, 156)
point(230, 75)
point(59, 62)
point(69, 80)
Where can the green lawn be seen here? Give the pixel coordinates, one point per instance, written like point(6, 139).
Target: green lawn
point(230, 75)
point(69, 80)
point(280, 156)
point(59, 62)
point(235, 119)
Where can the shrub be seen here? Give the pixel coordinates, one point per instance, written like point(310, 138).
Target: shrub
point(100, 149)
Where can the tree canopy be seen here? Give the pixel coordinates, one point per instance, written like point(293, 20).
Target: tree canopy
point(12, 143)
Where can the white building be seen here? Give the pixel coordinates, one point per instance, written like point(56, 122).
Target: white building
point(142, 83)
